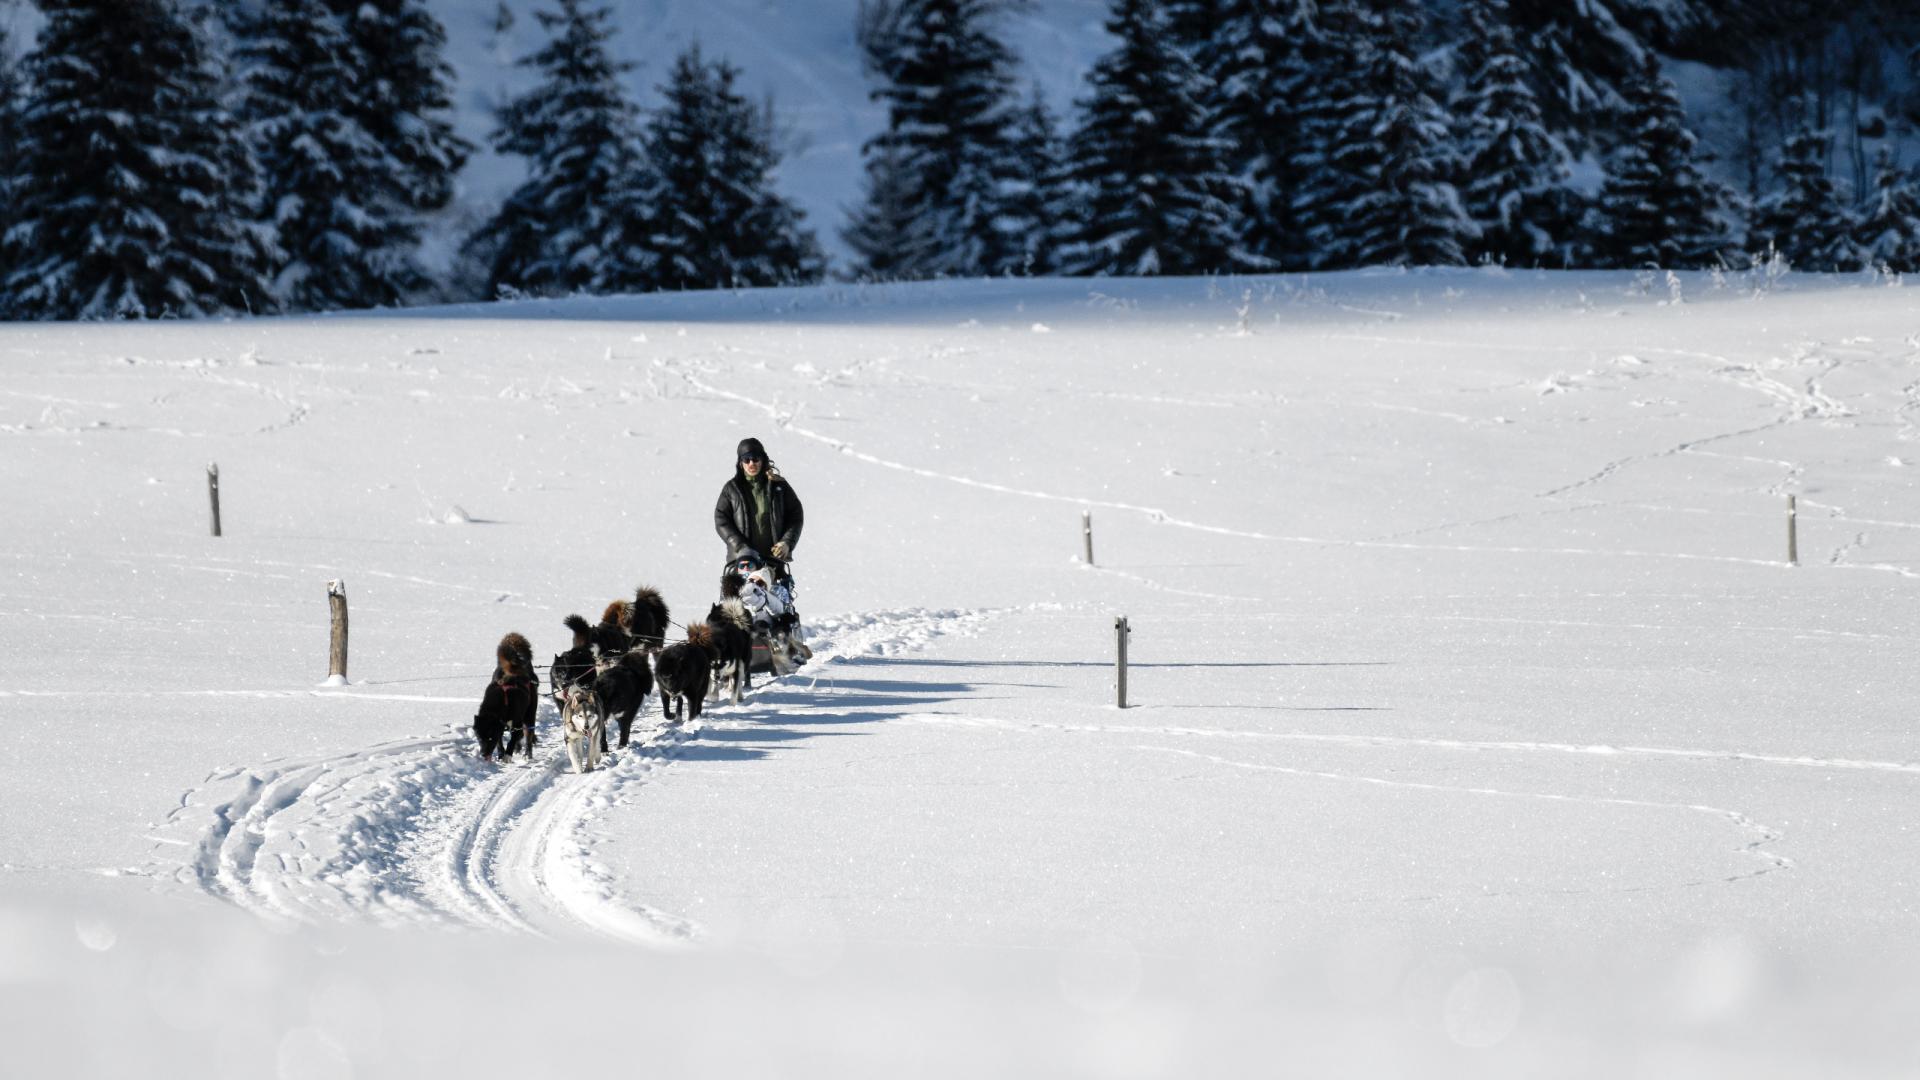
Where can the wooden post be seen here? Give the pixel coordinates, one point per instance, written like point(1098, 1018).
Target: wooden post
point(213, 494)
point(1793, 532)
point(337, 641)
point(1120, 632)
point(1086, 533)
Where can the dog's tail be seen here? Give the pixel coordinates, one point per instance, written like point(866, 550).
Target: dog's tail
point(700, 635)
point(616, 613)
point(733, 612)
point(580, 629)
point(730, 584)
point(648, 615)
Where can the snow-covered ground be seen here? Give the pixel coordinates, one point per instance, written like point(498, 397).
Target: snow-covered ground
point(1478, 725)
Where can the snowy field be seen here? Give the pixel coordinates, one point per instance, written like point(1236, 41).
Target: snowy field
point(1478, 724)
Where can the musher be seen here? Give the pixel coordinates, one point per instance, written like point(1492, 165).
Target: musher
point(758, 516)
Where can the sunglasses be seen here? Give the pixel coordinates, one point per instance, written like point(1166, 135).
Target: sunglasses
point(752, 458)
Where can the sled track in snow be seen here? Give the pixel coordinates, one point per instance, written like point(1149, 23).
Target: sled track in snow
point(418, 830)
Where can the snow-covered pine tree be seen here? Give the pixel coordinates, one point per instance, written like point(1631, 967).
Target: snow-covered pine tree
point(406, 99)
point(1889, 232)
point(1582, 56)
point(1515, 179)
point(1416, 218)
point(1157, 196)
point(1656, 208)
point(715, 220)
point(883, 230)
point(1804, 218)
point(344, 239)
point(1038, 206)
point(1337, 159)
point(880, 227)
point(1385, 196)
point(1193, 24)
point(12, 91)
point(135, 185)
point(948, 154)
point(576, 224)
point(1262, 68)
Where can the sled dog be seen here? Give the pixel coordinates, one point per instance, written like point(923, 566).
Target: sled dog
point(684, 669)
point(585, 725)
point(732, 630)
point(610, 637)
point(519, 723)
point(647, 619)
point(622, 683)
point(573, 665)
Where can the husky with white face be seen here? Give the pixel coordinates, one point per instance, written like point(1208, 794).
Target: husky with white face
point(585, 726)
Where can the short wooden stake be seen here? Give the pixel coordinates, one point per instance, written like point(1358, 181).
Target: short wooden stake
point(1120, 632)
point(1793, 532)
point(1086, 533)
point(337, 641)
point(213, 494)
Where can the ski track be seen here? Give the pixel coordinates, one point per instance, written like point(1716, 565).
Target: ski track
point(784, 419)
point(1402, 742)
point(1755, 848)
point(419, 830)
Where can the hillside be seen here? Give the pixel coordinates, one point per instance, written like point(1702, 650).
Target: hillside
point(1477, 724)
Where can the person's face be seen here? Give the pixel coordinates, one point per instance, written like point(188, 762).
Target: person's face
point(752, 464)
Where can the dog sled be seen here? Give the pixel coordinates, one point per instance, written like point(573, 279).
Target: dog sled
point(778, 643)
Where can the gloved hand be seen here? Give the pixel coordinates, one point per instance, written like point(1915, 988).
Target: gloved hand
point(780, 551)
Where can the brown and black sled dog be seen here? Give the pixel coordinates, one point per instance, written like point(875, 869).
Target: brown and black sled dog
point(511, 701)
point(610, 637)
point(640, 623)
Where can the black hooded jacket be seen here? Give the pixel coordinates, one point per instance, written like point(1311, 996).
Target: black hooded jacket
point(733, 512)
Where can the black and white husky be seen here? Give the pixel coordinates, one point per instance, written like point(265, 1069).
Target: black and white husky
point(573, 665)
point(620, 684)
point(732, 631)
point(585, 724)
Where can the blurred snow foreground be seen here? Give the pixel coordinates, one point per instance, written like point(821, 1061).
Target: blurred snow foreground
point(1479, 724)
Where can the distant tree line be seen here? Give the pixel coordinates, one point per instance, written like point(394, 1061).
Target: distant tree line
point(179, 158)
point(159, 165)
point(1286, 135)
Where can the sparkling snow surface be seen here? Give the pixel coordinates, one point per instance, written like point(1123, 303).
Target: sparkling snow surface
point(1478, 725)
